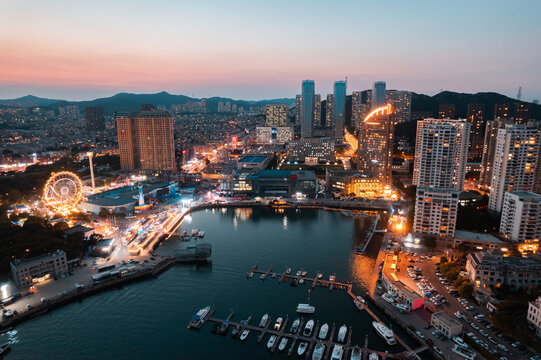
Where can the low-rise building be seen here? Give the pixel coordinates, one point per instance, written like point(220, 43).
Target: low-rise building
point(85, 230)
point(534, 315)
point(254, 161)
point(274, 183)
point(347, 182)
point(321, 149)
point(480, 241)
point(489, 269)
point(446, 324)
point(29, 271)
point(409, 297)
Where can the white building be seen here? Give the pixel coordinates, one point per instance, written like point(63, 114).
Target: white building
point(276, 115)
point(274, 135)
point(314, 148)
point(26, 272)
point(284, 134)
point(435, 211)
point(521, 216)
point(263, 134)
point(515, 161)
point(534, 315)
point(441, 153)
point(446, 324)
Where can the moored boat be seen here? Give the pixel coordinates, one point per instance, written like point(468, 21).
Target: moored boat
point(200, 317)
point(384, 332)
point(264, 320)
point(355, 354)
point(323, 331)
point(342, 333)
point(244, 335)
point(288, 271)
point(271, 342)
point(283, 344)
point(373, 356)
point(295, 326)
point(337, 352)
point(308, 328)
point(332, 278)
point(317, 354)
point(302, 348)
point(278, 324)
point(306, 309)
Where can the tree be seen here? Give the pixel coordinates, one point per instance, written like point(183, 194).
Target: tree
point(443, 259)
point(430, 242)
point(466, 289)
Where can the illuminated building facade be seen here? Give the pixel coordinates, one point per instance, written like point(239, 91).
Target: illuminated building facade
point(441, 153)
point(145, 141)
point(376, 144)
point(274, 135)
point(489, 148)
point(339, 109)
point(502, 111)
point(522, 113)
point(298, 110)
point(435, 211)
point(329, 110)
point(401, 103)
point(447, 111)
point(521, 217)
point(476, 117)
point(346, 182)
point(26, 272)
point(276, 115)
point(515, 160)
point(321, 149)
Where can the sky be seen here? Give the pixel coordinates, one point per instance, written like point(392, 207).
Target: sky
point(253, 50)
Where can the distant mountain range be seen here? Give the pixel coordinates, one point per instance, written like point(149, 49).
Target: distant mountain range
point(129, 102)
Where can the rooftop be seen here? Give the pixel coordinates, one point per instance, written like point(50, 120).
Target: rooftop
point(526, 194)
point(78, 228)
point(37, 259)
point(448, 320)
point(251, 159)
point(480, 237)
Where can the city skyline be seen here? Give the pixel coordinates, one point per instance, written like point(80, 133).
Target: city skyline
point(200, 50)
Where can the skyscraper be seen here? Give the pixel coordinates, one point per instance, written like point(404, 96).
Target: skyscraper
point(447, 111)
point(401, 102)
point(376, 144)
point(378, 94)
point(515, 161)
point(356, 109)
point(476, 117)
point(329, 110)
point(276, 115)
point(94, 118)
point(307, 108)
point(489, 148)
point(339, 110)
point(441, 153)
point(298, 110)
point(145, 140)
point(316, 121)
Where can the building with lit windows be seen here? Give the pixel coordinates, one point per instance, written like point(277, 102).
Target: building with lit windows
point(26, 272)
point(502, 111)
point(298, 110)
point(441, 153)
point(145, 140)
point(339, 109)
point(274, 183)
point(515, 160)
point(378, 94)
point(490, 269)
point(489, 148)
point(534, 315)
point(476, 117)
point(521, 217)
point(276, 115)
point(329, 110)
point(401, 103)
point(435, 212)
point(310, 109)
point(522, 113)
point(346, 182)
point(263, 134)
point(284, 134)
point(320, 149)
point(447, 111)
point(376, 143)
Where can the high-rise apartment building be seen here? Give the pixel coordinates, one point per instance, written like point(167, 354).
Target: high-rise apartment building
point(94, 118)
point(339, 109)
point(521, 216)
point(489, 148)
point(447, 111)
point(378, 94)
point(356, 109)
point(316, 120)
point(522, 113)
point(376, 144)
point(145, 140)
point(435, 211)
point(401, 103)
point(298, 110)
point(476, 117)
point(276, 115)
point(502, 111)
point(441, 153)
point(307, 108)
point(515, 161)
point(329, 110)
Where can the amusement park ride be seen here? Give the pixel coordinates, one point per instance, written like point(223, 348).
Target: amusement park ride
point(62, 192)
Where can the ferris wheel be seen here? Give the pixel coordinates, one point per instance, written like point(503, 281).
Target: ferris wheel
point(63, 191)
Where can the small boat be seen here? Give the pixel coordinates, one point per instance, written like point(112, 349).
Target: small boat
point(308, 328)
point(355, 354)
point(264, 320)
point(332, 278)
point(304, 273)
point(236, 331)
point(222, 329)
point(295, 326)
point(342, 333)
point(244, 335)
point(306, 309)
point(373, 356)
point(319, 275)
point(201, 234)
point(271, 342)
point(301, 281)
point(323, 331)
point(358, 304)
point(263, 276)
point(464, 352)
point(299, 273)
point(318, 351)
point(199, 318)
point(302, 348)
point(337, 352)
point(384, 332)
point(360, 299)
point(278, 324)
point(250, 275)
point(288, 271)
point(283, 344)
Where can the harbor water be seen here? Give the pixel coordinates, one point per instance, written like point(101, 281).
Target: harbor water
point(148, 320)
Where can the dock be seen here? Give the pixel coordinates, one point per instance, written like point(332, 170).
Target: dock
point(294, 339)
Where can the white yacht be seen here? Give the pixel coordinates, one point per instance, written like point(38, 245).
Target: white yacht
point(358, 304)
point(302, 348)
point(304, 273)
point(306, 309)
point(337, 352)
point(323, 331)
point(299, 273)
point(373, 356)
point(278, 324)
point(308, 328)
point(288, 271)
point(464, 352)
point(295, 326)
point(332, 277)
point(264, 320)
point(271, 342)
point(384, 332)
point(283, 344)
point(244, 335)
point(355, 354)
point(319, 275)
point(342, 333)
point(317, 354)
point(301, 281)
